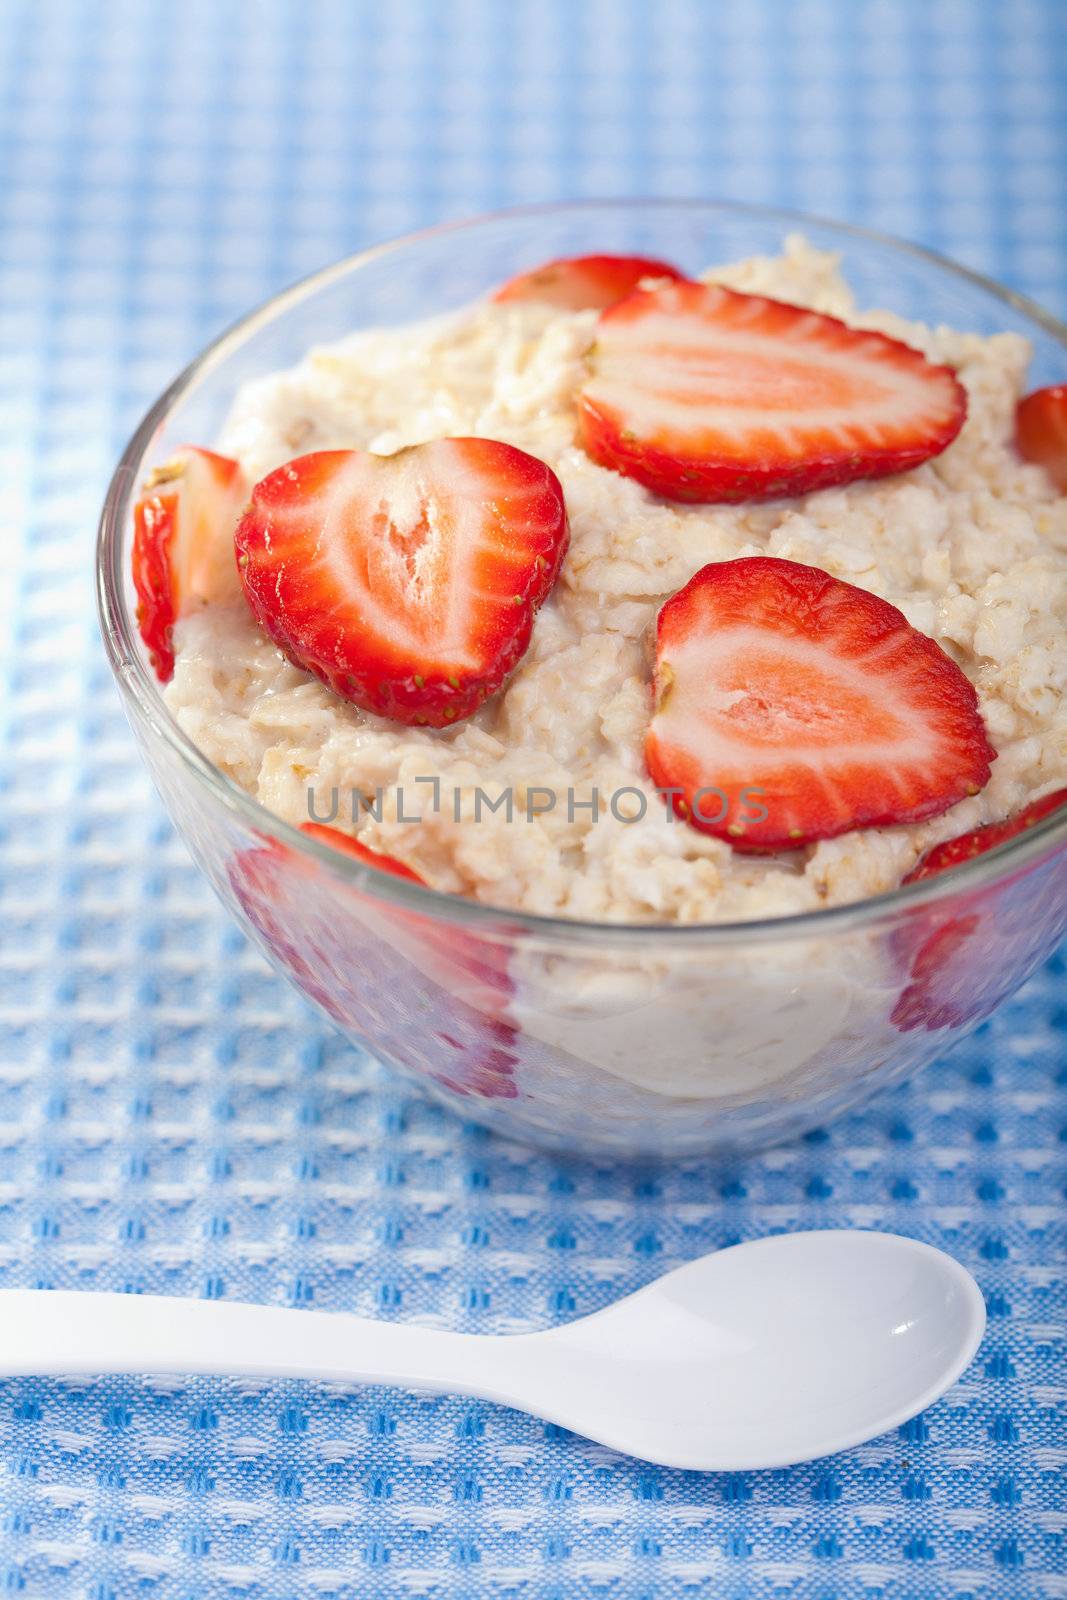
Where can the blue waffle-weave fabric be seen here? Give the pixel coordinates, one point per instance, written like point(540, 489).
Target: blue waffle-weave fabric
point(172, 1118)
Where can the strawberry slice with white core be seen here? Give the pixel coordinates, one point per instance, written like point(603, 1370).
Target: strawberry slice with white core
point(407, 583)
point(1041, 431)
point(792, 707)
point(704, 394)
point(584, 283)
point(183, 544)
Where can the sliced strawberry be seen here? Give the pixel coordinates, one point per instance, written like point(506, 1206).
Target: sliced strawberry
point(951, 979)
point(585, 283)
point(426, 996)
point(1041, 431)
point(962, 958)
point(407, 583)
point(362, 852)
point(781, 690)
point(701, 393)
point(183, 543)
point(953, 852)
point(482, 962)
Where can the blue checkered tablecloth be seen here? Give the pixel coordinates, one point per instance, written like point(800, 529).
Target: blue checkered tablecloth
point(171, 1117)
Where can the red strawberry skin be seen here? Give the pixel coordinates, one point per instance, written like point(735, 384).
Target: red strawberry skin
point(951, 981)
point(180, 537)
point(154, 519)
point(584, 283)
point(963, 957)
point(445, 950)
point(1041, 431)
point(483, 960)
point(704, 394)
point(777, 677)
point(428, 996)
point(965, 846)
point(407, 583)
point(352, 847)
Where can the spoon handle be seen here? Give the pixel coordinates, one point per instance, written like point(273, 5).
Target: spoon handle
point(56, 1331)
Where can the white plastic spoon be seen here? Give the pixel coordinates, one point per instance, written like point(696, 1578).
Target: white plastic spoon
point(762, 1355)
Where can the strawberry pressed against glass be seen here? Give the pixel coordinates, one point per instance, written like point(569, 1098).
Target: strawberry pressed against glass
point(954, 960)
point(584, 283)
point(966, 846)
point(433, 1001)
point(353, 847)
point(181, 553)
point(1041, 431)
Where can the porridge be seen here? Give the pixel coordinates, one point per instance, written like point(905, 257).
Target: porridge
point(970, 546)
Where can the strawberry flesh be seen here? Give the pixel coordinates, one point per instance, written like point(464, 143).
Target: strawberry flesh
point(407, 583)
point(182, 544)
point(703, 394)
point(1041, 431)
point(965, 846)
point(584, 283)
point(781, 690)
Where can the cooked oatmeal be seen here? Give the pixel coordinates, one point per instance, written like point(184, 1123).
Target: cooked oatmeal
point(972, 547)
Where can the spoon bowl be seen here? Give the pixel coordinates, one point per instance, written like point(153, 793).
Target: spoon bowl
point(772, 1352)
point(761, 1355)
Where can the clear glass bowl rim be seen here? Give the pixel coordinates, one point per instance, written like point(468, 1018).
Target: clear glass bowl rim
point(127, 663)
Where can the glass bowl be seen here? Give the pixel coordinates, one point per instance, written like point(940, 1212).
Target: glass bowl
point(632, 1040)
